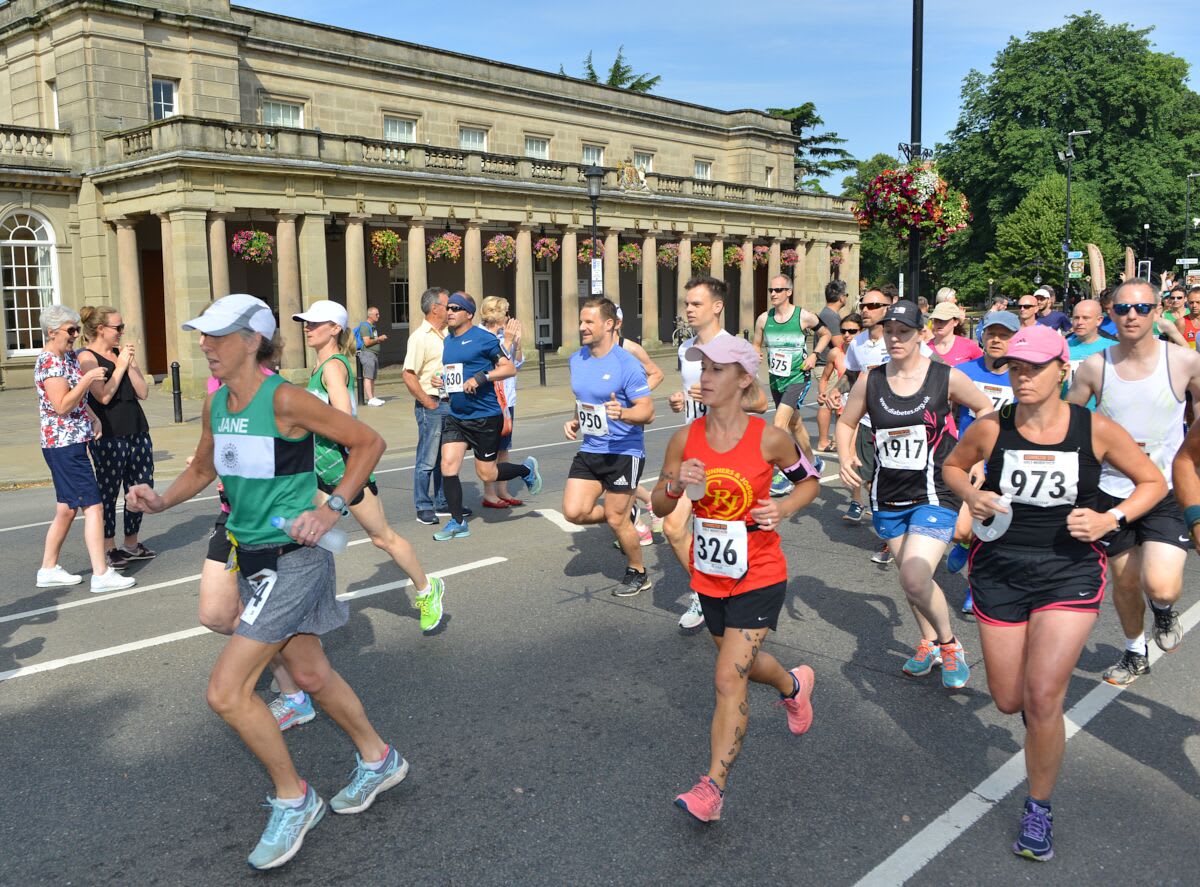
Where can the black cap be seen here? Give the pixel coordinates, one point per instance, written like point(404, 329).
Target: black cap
point(905, 312)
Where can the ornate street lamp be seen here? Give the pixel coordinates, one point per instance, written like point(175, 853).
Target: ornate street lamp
point(1188, 222)
point(595, 178)
point(1066, 157)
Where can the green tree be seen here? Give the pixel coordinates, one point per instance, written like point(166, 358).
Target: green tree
point(620, 74)
point(817, 153)
point(881, 255)
point(1086, 74)
point(1034, 230)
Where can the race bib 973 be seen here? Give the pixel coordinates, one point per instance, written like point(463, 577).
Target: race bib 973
point(593, 418)
point(1041, 478)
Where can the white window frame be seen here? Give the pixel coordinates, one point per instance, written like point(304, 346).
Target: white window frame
point(398, 293)
point(400, 122)
point(702, 169)
point(463, 129)
point(48, 260)
point(543, 141)
point(594, 161)
point(156, 104)
point(281, 104)
point(648, 156)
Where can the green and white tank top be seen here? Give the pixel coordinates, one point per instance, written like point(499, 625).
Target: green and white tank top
point(787, 348)
point(265, 474)
point(329, 457)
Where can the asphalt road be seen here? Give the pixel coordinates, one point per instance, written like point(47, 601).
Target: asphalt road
point(550, 725)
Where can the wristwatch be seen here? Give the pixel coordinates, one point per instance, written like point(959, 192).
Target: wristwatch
point(1119, 515)
point(336, 503)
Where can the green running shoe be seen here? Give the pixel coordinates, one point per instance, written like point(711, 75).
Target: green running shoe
point(431, 604)
point(285, 831)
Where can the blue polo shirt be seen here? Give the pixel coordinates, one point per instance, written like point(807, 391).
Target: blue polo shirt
point(476, 349)
point(996, 386)
point(594, 380)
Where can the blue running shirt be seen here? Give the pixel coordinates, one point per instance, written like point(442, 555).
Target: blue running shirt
point(1079, 352)
point(475, 349)
point(996, 386)
point(594, 380)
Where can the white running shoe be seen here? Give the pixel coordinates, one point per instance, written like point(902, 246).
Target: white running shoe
point(111, 580)
point(694, 617)
point(53, 577)
point(375, 402)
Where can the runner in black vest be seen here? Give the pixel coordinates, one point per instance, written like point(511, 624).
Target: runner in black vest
point(908, 400)
point(1039, 586)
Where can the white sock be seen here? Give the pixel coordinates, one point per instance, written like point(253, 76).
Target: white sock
point(296, 697)
point(377, 765)
point(1136, 645)
point(295, 802)
point(424, 591)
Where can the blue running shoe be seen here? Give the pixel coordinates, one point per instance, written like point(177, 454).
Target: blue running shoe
point(922, 662)
point(1036, 838)
point(292, 714)
point(819, 464)
point(453, 530)
point(285, 831)
point(957, 558)
point(780, 485)
point(955, 671)
point(968, 606)
point(533, 480)
point(854, 513)
point(368, 783)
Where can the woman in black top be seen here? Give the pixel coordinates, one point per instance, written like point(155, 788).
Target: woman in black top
point(1038, 587)
point(123, 454)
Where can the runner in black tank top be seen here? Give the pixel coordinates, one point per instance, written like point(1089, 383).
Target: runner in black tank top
point(1038, 587)
point(908, 400)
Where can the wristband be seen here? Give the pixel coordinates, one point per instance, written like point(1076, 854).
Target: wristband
point(481, 378)
point(1191, 515)
point(670, 495)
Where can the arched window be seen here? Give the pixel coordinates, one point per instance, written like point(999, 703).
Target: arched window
point(27, 279)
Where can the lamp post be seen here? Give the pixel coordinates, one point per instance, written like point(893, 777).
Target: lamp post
point(1188, 224)
point(914, 147)
point(595, 178)
point(1066, 157)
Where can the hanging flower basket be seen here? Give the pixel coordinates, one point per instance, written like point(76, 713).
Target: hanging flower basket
point(668, 255)
point(446, 246)
point(733, 256)
point(914, 198)
point(701, 257)
point(762, 255)
point(629, 257)
point(501, 250)
point(789, 258)
point(256, 247)
point(385, 248)
point(546, 248)
point(836, 257)
point(585, 251)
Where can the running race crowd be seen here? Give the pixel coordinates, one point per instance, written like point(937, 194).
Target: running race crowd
point(1044, 456)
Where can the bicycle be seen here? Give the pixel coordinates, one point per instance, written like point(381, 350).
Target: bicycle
point(682, 332)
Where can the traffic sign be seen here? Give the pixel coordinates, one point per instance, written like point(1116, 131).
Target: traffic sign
point(1187, 262)
point(1075, 254)
point(1075, 268)
point(597, 277)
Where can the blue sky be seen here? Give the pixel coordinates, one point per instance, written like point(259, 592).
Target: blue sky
point(850, 58)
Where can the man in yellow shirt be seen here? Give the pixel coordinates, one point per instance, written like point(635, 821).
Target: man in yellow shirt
point(423, 361)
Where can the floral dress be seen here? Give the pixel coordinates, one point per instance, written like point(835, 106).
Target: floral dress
point(60, 430)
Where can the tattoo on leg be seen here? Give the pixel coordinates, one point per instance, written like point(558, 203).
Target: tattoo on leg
point(743, 709)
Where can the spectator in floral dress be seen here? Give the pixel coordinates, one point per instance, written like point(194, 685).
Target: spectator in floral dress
point(67, 425)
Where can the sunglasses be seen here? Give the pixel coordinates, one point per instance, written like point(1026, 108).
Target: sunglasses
point(871, 306)
point(850, 330)
point(313, 324)
point(1023, 305)
point(455, 308)
point(779, 289)
point(120, 327)
point(72, 331)
point(1123, 308)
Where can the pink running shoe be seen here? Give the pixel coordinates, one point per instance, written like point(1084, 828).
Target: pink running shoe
point(799, 707)
point(703, 801)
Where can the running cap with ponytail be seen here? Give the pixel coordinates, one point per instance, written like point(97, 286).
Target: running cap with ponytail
point(1037, 345)
point(325, 311)
point(727, 349)
point(231, 313)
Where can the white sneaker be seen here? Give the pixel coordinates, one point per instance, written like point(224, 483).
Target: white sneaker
point(694, 617)
point(111, 580)
point(375, 402)
point(56, 576)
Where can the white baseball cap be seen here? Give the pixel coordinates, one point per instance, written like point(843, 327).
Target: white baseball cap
point(234, 312)
point(324, 310)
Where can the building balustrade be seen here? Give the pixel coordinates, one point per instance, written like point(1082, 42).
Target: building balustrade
point(34, 147)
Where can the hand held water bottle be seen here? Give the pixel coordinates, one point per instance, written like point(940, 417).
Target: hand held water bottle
point(334, 539)
point(995, 526)
point(695, 491)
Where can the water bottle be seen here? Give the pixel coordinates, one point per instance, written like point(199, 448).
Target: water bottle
point(334, 539)
point(995, 526)
point(695, 491)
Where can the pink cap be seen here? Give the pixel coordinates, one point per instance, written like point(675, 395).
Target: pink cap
point(727, 349)
point(1036, 344)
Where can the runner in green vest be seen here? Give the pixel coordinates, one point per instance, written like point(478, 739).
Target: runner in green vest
point(781, 337)
point(325, 331)
point(257, 435)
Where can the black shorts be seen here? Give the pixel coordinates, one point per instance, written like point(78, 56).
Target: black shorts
point(328, 490)
point(1162, 523)
point(793, 395)
point(753, 609)
point(864, 448)
point(482, 436)
point(617, 474)
point(1009, 582)
point(219, 546)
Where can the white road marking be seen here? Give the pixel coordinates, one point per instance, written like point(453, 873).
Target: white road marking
point(96, 598)
point(54, 664)
point(923, 847)
point(559, 520)
point(79, 516)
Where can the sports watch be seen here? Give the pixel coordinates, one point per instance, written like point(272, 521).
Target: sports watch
point(336, 503)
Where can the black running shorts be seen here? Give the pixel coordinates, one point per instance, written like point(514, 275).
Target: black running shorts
point(482, 436)
point(1009, 582)
point(219, 546)
point(329, 489)
point(1162, 523)
point(793, 395)
point(755, 609)
point(617, 474)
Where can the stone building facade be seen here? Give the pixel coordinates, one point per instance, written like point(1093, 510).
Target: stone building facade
point(137, 138)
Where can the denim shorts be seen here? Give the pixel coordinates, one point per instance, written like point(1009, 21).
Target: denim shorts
point(920, 520)
point(74, 481)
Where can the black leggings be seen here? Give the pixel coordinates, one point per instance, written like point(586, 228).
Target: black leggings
point(122, 462)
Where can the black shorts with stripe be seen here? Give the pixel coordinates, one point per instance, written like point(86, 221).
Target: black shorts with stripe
point(616, 473)
point(1010, 582)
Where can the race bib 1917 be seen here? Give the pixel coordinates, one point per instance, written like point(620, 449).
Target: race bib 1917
point(904, 449)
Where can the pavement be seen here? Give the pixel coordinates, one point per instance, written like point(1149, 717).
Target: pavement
point(549, 725)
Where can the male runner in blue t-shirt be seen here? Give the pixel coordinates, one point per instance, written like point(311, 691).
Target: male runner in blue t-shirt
point(612, 405)
point(998, 328)
point(1085, 339)
point(472, 361)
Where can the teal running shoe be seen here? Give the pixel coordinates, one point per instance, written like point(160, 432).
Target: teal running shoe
point(285, 831)
point(533, 480)
point(367, 783)
point(453, 530)
point(955, 671)
point(922, 662)
point(290, 714)
point(430, 604)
